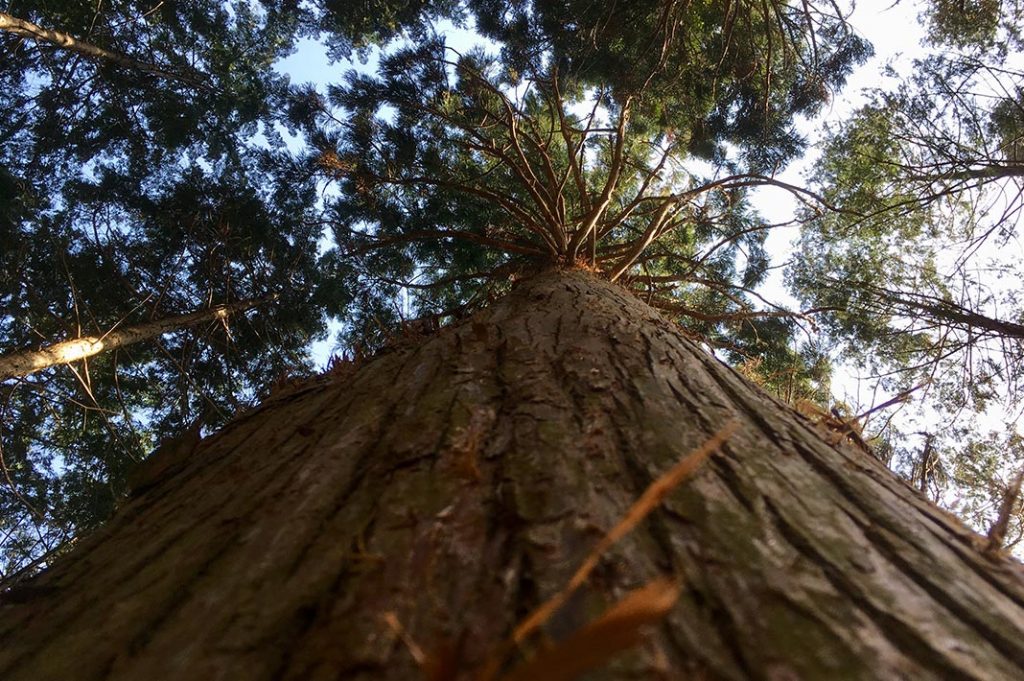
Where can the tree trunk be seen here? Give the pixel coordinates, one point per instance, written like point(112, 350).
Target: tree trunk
point(460, 483)
point(26, 29)
point(29, 361)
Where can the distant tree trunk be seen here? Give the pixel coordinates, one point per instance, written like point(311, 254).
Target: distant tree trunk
point(65, 352)
point(459, 483)
point(26, 29)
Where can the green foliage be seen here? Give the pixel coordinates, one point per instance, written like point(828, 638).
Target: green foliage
point(355, 27)
point(927, 184)
point(1006, 124)
point(793, 375)
point(968, 470)
point(131, 194)
point(714, 73)
point(983, 25)
point(911, 270)
point(458, 171)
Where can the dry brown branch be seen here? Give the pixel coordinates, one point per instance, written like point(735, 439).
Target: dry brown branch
point(617, 629)
point(665, 213)
point(26, 29)
point(590, 220)
point(997, 533)
point(648, 501)
point(29, 361)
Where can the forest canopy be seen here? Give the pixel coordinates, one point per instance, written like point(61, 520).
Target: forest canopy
point(155, 164)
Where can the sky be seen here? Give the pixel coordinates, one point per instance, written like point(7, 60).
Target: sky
point(896, 35)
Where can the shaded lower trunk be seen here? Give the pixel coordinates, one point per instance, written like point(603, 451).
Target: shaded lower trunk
point(459, 483)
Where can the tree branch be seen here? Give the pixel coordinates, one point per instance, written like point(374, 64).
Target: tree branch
point(26, 29)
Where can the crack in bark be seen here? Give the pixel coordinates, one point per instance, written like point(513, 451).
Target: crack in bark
point(730, 480)
point(902, 634)
point(1007, 646)
point(895, 556)
point(730, 638)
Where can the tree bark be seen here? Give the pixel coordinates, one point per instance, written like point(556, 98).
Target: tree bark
point(65, 352)
point(459, 483)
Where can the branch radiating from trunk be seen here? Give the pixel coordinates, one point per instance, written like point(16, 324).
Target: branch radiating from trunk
point(29, 361)
point(26, 29)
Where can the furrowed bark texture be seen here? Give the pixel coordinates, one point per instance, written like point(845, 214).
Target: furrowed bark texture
point(460, 483)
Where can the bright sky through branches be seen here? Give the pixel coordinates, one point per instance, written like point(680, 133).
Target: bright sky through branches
point(896, 35)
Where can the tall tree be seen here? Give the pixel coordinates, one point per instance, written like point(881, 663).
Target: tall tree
point(141, 177)
point(434, 496)
point(229, 222)
point(928, 179)
point(916, 275)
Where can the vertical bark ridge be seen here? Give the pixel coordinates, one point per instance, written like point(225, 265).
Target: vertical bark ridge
point(460, 483)
point(960, 599)
point(892, 627)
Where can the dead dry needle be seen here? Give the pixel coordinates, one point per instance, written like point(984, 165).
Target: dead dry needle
point(641, 508)
point(391, 619)
point(619, 628)
point(997, 533)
